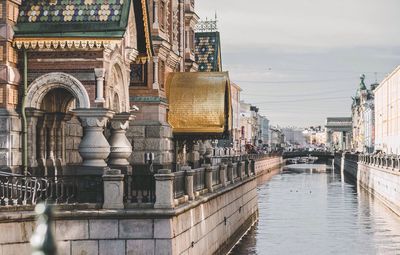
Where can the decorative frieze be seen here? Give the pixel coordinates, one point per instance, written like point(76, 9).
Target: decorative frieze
point(59, 43)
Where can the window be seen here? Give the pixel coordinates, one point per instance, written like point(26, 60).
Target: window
point(138, 76)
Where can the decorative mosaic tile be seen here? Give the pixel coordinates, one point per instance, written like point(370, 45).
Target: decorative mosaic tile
point(36, 11)
point(207, 51)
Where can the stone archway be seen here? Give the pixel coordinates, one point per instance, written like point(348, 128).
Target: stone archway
point(39, 88)
point(53, 132)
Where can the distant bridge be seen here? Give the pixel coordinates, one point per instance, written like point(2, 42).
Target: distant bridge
point(320, 154)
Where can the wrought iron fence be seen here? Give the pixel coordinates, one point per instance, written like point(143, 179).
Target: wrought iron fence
point(140, 188)
point(29, 190)
point(235, 170)
point(199, 179)
point(179, 184)
point(215, 175)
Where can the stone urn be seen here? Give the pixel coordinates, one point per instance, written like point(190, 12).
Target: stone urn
point(94, 147)
point(121, 148)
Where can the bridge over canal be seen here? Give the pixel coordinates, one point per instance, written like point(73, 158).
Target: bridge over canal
point(322, 155)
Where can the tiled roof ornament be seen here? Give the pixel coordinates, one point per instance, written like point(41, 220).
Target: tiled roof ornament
point(207, 25)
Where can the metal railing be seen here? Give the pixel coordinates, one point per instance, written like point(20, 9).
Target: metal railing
point(139, 188)
point(199, 179)
point(29, 190)
point(236, 170)
point(216, 175)
point(179, 184)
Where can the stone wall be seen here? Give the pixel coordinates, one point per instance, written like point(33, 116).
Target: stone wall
point(151, 136)
point(211, 224)
point(382, 182)
point(350, 167)
point(346, 163)
point(10, 141)
point(261, 166)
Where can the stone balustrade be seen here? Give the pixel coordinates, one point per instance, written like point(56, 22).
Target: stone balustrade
point(164, 190)
point(389, 162)
point(189, 183)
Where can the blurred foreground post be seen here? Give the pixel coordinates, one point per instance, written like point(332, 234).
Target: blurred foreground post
point(42, 240)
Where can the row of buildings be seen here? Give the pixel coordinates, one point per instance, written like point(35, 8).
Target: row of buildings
point(256, 131)
point(374, 125)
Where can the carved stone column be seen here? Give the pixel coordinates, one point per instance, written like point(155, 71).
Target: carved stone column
point(156, 25)
point(99, 72)
point(60, 141)
point(32, 116)
point(156, 85)
point(182, 34)
point(94, 147)
point(51, 145)
point(41, 143)
point(121, 148)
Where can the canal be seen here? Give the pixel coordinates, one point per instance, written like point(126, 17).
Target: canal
point(319, 213)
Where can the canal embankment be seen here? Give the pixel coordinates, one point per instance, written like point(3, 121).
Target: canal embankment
point(378, 174)
point(196, 211)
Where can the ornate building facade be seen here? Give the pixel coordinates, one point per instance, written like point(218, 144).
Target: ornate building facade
point(72, 73)
point(387, 117)
point(363, 118)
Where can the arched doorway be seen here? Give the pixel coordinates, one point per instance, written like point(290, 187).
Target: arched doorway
point(54, 133)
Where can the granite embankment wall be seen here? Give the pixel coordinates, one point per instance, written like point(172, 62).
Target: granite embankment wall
point(377, 174)
point(210, 224)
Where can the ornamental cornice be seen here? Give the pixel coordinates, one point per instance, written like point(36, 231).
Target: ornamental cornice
point(65, 43)
point(173, 60)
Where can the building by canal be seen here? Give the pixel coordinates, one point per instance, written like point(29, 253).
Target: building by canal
point(319, 213)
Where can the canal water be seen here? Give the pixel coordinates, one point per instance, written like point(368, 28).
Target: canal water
point(318, 212)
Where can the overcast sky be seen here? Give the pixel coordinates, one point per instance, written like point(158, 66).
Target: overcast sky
point(300, 60)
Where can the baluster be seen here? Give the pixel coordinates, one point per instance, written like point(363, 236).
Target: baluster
point(34, 191)
point(27, 191)
point(2, 192)
point(7, 191)
point(14, 195)
point(61, 185)
point(73, 189)
point(139, 189)
point(128, 187)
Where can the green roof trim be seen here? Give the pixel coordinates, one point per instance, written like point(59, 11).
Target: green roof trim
point(76, 18)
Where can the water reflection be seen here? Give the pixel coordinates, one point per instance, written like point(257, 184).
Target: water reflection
point(320, 213)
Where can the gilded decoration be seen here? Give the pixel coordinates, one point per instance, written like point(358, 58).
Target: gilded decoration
point(199, 103)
